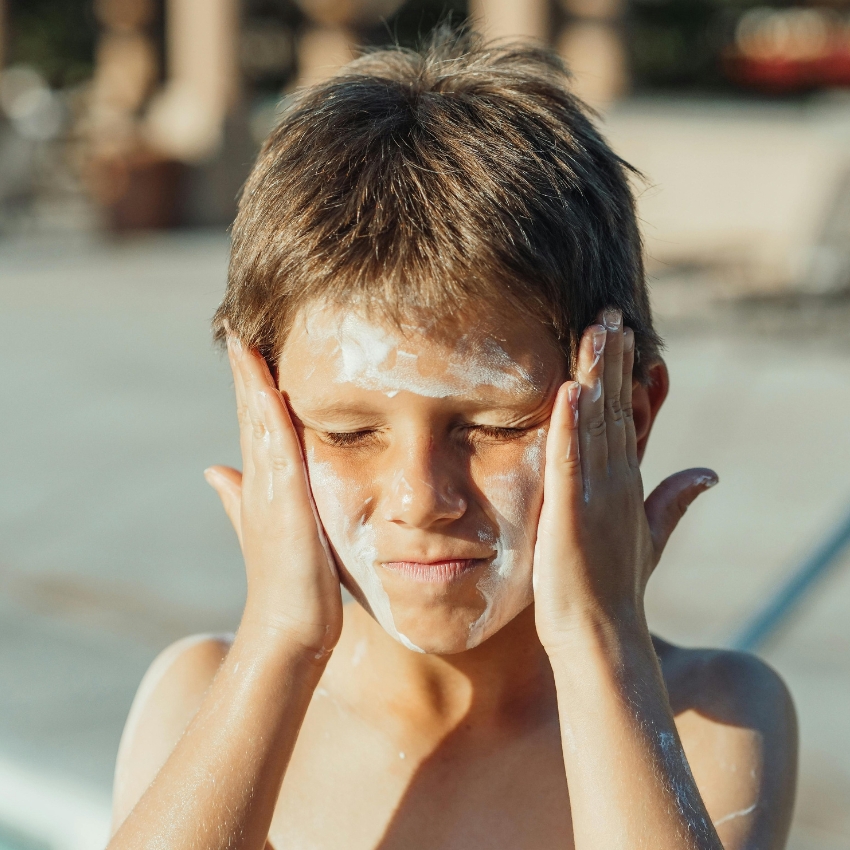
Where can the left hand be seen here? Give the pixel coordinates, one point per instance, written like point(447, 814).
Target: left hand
point(597, 541)
point(293, 587)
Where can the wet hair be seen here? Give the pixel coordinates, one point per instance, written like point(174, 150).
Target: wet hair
point(426, 182)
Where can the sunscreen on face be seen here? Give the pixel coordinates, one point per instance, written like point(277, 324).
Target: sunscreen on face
point(372, 357)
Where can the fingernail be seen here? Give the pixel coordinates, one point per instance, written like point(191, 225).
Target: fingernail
point(210, 474)
point(628, 340)
point(573, 394)
point(599, 337)
point(707, 481)
point(235, 344)
point(612, 318)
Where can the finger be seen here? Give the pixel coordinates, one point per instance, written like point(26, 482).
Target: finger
point(276, 448)
point(562, 476)
point(591, 404)
point(615, 430)
point(667, 503)
point(257, 387)
point(279, 473)
point(235, 353)
point(626, 397)
point(235, 350)
point(563, 484)
point(227, 482)
point(253, 373)
point(612, 321)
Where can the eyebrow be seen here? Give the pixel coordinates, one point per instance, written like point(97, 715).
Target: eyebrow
point(335, 413)
point(523, 404)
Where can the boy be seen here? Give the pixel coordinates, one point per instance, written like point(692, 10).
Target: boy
point(446, 376)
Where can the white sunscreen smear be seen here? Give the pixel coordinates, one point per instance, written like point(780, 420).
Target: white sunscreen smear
point(375, 358)
point(739, 814)
point(506, 587)
point(682, 782)
point(353, 538)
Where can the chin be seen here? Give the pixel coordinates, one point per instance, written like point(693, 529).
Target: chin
point(437, 630)
point(452, 630)
point(441, 619)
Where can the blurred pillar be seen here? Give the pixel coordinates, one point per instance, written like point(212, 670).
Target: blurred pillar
point(126, 68)
point(511, 18)
point(593, 47)
point(136, 186)
point(322, 51)
point(186, 120)
point(331, 39)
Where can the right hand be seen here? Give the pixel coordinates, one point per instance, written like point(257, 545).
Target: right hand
point(293, 586)
point(598, 541)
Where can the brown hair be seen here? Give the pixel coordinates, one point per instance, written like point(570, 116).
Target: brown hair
point(422, 181)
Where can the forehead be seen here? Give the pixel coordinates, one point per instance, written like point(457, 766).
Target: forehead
point(474, 356)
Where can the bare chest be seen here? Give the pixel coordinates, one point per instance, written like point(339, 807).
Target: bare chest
point(351, 785)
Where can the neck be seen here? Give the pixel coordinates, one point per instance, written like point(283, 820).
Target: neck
point(504, 682)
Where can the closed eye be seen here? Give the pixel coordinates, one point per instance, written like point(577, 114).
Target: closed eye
point(367, 435)
point(348, 438)
point(491, 432)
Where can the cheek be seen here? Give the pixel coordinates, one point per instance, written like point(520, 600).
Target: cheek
point(514, 495)
point(512, 486)
point(345, 508)
point(341, 496)
point(517, 496)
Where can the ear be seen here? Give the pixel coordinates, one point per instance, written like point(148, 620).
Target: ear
point(647, 400)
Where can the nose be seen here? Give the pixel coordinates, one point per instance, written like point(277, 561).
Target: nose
point(423, 487)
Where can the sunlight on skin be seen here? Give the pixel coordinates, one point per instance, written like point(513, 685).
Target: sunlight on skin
point(425, 458)
point(425, 462)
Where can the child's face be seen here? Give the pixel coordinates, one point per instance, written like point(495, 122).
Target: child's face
point(426, 464)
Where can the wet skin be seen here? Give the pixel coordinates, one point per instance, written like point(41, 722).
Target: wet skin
point(568, 726)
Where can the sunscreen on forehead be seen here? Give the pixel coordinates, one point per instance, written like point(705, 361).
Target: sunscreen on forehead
point(372, 357)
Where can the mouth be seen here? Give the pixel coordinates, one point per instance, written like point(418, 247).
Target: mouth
point(435, 572)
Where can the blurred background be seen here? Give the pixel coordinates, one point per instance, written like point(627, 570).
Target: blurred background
point(126, 130)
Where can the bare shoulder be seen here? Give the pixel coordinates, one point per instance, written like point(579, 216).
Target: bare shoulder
point(167, 699)
point(738, 727)
point(736, 685)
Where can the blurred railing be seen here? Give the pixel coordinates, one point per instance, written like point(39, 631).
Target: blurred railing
point(785, 600)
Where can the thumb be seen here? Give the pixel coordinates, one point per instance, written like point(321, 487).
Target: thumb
point(227, 482)
point(668, 502)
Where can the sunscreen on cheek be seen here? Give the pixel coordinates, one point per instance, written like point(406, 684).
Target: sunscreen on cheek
point(515, 498)
point(345, 515)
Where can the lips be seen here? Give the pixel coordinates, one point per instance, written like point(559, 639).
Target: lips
point(435, 572)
